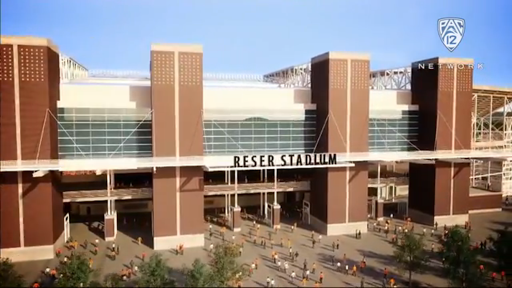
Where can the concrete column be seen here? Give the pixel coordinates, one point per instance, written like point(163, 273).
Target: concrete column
point(236, 220)
point(276, 208)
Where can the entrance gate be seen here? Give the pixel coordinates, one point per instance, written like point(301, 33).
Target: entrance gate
point(402, 208)
point(306, 216)
point(67, 230)
point(269, 209)
point(372, 208)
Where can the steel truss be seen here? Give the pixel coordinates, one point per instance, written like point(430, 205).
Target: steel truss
point(391, 79)
point(298, 76)
point(492, 130)
point(70, 69)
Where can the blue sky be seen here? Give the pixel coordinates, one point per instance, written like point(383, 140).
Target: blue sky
point(247, 36)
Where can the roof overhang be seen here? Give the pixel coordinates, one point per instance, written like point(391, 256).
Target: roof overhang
point(455, 161)
point(220, 163)
point(216, 168)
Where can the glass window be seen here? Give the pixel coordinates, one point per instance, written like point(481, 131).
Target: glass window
point(246, 139)
point(98, 141)
point(83, 149)
point(219, 132)
point(65, 141)
point(145, 148)
point(246, 132)
point(66, 134)
point(66, 126)
point(233, 125)
point(259, 139)
point(219, 140)
point(114, 141)
point(82, 126)
point(272, 132)
point(245, 126)
point(98, 134)
point(83, 141)
point(219, 125)
point(114, 133)
point(83, 134)
point(233, 139)
point(246, 147)
point(207, 125)
point(67, 149)
point(259, 125)
point(310, 125)
point(310, 138)
point(115, 126)
point(83, 111)
point(98, 125)
point(137, 133)
point(259, 146)
point(284, 138)
point(298, 125)
point(219, 146)
point(127, 126)
point(99, 149)
point(233, 146)
point(259, 132)
point(285, 125)
point(298, 131)
point(297, 138)
point(272, 139)
point(125, 148)
point(285, 132)
point(233, 132)
point(285, 145)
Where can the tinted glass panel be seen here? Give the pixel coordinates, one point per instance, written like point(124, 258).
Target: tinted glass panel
point(100, 132)
point(260, 135)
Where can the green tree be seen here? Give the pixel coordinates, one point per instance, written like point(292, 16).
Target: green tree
point(225, 269)
point(155, 273)
point(461, 262)
point(501, 250)
point(75, 273)
point(199, 275)
point(8, 276)
point(410, 254)
point(112, 280)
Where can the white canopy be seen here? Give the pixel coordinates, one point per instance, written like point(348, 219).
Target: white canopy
point(223, 162)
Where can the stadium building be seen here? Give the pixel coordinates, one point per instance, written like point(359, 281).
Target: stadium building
point(422, 141)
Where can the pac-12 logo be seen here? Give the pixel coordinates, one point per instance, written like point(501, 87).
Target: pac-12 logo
point(451, 31)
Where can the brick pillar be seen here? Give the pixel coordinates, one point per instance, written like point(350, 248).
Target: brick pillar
point(340, 90)
point(110, 228)
point(177, 102)
point(276, 215)
point(31, 208)
point(236, 219)
point(442, 88)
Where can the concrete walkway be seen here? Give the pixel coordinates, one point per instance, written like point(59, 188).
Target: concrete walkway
point(373, 245)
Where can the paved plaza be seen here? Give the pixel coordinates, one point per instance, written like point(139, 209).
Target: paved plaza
point(373, 245)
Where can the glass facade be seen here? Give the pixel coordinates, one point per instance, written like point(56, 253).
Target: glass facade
point(103, 133)
point(393, 130)
point(257, 135)
point(121, 132)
